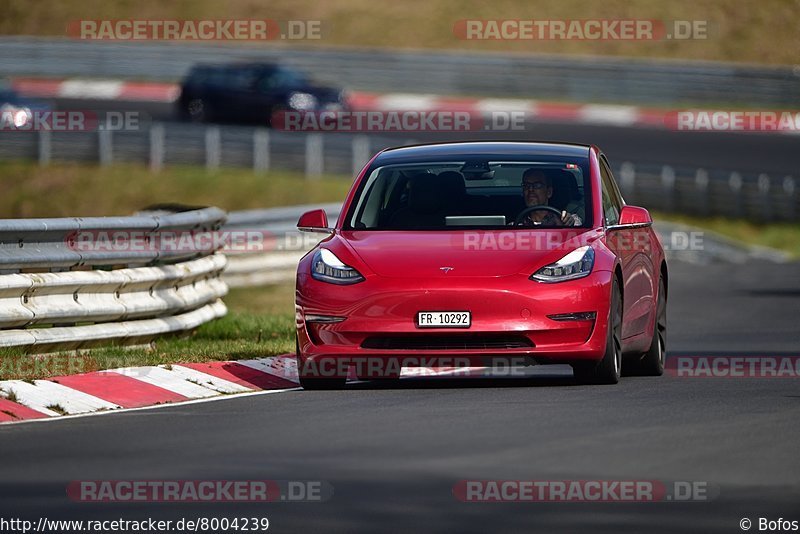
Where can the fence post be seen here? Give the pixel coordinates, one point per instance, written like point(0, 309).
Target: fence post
point(314, 155)
point(668, 187)
point(627, 176)
point(701, 184)
point(105, 146)
point(361, 153)
point(735, 183)
point(213, 148)
point(45, 147)
point(763, 193)
point(156, 147)
point(261, 150)
point(789, 189)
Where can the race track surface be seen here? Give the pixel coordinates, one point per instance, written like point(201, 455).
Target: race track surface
point(393, 454)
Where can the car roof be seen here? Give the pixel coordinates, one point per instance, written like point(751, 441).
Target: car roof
point(512, 150)
point(240, 65)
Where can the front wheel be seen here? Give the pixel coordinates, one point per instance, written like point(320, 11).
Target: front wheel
point(310, 380)
point(607, 370)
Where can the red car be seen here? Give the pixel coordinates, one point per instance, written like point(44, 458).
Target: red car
point(471, 253)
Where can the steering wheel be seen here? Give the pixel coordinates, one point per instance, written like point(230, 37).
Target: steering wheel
point(530, 209)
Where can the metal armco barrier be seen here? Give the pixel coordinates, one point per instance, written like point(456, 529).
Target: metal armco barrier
point(278, 262)
point(680, 190)
point(58, 295)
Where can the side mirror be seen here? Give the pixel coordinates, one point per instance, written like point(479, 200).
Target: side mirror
point(314, 221)
point(635, 215)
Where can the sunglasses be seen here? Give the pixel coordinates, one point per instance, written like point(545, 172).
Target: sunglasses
point(534, 186)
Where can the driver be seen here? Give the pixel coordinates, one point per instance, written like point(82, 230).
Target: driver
point(537, 188)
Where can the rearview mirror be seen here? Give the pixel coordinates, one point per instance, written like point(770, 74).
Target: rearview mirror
point(314, 221)
point(634, 215)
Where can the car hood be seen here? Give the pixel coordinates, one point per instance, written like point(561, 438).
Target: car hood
point(468, 253)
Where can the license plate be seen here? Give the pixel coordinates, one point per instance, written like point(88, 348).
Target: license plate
point(444, 319)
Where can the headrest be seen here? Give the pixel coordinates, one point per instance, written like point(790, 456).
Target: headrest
point(425, 195)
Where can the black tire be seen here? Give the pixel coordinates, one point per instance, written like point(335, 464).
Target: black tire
point(609, 369)
point(315, 382)
point(652, 361)
point(197, 110)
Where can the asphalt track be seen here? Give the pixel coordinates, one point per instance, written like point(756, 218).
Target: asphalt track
point(393, 454)
point(774, 154)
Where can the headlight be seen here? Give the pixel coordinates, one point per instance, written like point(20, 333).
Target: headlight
point(302, 101)
point(21, 117)
point(576, 264)
point(326, 267)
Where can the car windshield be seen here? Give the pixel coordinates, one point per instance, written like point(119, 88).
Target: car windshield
point(283, 77)
point(473, 194)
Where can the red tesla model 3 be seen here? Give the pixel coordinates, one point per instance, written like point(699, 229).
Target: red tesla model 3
point(471, 253)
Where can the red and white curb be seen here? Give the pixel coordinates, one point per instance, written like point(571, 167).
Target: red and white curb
point(138, 387)
point(588, 114)
point(96, 89)
point(614, 115)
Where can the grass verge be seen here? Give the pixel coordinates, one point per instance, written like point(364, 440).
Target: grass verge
point(80, 190)
point(752, 31)
point(781, 236)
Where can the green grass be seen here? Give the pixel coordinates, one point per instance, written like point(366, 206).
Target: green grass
point(749, 30)
point(780, 236)
point(79, 190)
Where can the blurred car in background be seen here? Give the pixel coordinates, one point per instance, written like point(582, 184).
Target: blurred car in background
point(252, 93)
point(17, 111)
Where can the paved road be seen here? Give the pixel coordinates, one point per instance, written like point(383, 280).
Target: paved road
point(742, 152)
point(393, 454)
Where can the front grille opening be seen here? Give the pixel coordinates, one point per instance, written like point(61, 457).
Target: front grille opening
point(447, 342)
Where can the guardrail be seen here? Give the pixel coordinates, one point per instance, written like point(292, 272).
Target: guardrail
point(587, 79)
point(723, 192)
point(57, 294)
point(277, 264)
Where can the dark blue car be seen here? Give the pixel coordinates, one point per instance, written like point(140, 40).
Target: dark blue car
point(251, 93)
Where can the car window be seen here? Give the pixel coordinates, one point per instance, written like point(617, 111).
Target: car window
point(242, 79)
point(612, 204)
point(281, 78)
point(460, 194)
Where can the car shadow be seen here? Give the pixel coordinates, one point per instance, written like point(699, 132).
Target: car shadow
point(514, 379)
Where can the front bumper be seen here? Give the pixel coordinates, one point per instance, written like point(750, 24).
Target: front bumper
point(385, 309)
